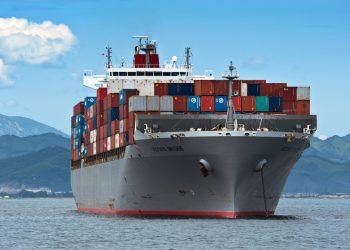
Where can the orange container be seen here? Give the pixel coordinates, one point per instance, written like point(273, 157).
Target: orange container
point(207, 103)
point(248, 103)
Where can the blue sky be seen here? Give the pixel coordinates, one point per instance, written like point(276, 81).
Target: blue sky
point(304, 43)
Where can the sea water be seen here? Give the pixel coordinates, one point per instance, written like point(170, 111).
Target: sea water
point(300, 223)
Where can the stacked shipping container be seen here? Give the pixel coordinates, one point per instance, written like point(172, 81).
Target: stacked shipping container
point(107, 121)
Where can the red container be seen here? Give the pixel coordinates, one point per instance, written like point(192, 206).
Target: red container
point(112, 141)
point(276, 89)
point(139, 60)
point(111, 101)
point(303, 107)
point(203, 87)
point(123, 111)
point(236, 87)
point(121, 140)
point(86, 138)
point(105, 145)
point(289, 93)
point(160, 89)
point(100, 120)
point(132, 116)
point(237, 103)
point(221, 87)
point(248, 103)
point(105, 127)
point(254, 81)
point(78, 108)
point(73, 122)
point(266, 90)
point(180, 103)
point(131, 136)
point(95, 110)
point(101, 93)
point(99, 146)
point(87, 114)
point(114, 127)
point(101, 133)
point(89, 125)
point(207, 103)
point(99, 107)
point(289, 107)
point(105, 118)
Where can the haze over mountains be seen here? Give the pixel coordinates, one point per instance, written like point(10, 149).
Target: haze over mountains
point(30, 157)
point(21, 126)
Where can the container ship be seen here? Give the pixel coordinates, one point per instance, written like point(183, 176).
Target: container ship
point(159, 140)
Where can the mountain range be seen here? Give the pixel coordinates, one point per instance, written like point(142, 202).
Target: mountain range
point(22, 126)
point(36, 159)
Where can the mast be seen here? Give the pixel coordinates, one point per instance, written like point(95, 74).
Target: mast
point(231, 122)
point(187, 58)
point(109, 57)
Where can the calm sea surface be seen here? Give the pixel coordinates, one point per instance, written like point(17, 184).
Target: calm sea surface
point(54, 224)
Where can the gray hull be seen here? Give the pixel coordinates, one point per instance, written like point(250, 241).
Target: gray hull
point(161, 175)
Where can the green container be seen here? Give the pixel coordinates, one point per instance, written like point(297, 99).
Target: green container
point(262, 103)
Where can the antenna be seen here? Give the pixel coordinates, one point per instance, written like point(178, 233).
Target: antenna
point(188, 55)
point(230, 124)
point(109, 56)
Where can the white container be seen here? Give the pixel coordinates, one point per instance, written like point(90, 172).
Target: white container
point(152, 103)
point(303, 93)
point(137, 103)
point(244, 89)
point(166, 113)
point(166, 103)
point(116, 142)
point(145, 88)
point(108, 143)
point(94, 148)
point(121, 126)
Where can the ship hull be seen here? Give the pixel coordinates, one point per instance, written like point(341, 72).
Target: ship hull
point(162, 177)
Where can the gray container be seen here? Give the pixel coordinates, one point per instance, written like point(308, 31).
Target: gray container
point(152, 103)
point(166, 103)
point(303, 93)
point(137, 103)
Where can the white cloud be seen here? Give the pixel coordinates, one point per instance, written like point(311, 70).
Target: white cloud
point(4, 74)
point(257, 62)
point(8, 104)
point(35, 43)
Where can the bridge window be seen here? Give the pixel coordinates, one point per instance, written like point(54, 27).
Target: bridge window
point(131, 73)
point(157, 73)
point(140, 73)
point(166, 73)
point(115, 73)
point(182, 73)
point(174, 73)
point(149, 73)
point(123, 74)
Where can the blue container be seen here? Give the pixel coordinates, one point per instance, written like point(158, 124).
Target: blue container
point(275, 104)
point(220, 103)
point(89, 101)
point(85, 152)
point(77, 144)
point(112, 114)
point(123, 95)
point(186, 89)
point(79, 131)
point(79, 120)
point(194, 103)
point(94, 122)
point(253, 89)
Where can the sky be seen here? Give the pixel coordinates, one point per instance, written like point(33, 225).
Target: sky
point(45, 46)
